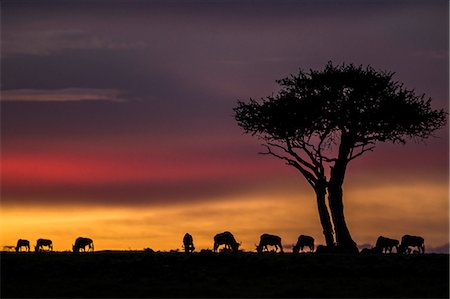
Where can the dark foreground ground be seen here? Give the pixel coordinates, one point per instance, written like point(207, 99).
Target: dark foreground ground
point(139, 274)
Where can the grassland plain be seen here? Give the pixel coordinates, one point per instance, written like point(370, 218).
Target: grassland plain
point(137, 274)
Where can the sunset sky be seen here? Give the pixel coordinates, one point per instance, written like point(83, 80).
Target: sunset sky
point(117, 120)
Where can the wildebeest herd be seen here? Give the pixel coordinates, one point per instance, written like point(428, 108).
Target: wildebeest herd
point(47, 245)
point(409, 244)
point(385, 245)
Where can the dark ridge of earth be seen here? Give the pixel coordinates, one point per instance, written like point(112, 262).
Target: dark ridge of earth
point(126, 274)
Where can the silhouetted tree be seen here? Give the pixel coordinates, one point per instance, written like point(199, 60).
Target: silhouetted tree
point(321, 120)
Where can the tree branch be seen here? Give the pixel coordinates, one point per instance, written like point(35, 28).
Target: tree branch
point(312, 180)
point(363, 150)
point(290, 151)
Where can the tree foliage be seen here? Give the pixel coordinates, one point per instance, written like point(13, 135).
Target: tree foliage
point(315, 109)
point(330, 117)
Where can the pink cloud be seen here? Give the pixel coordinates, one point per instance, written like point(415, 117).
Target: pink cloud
point(61, 95)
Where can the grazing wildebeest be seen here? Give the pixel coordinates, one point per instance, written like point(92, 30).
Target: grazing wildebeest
point(23, 243)
point(386, 244)
point(411, 241)
point(227, 239)
point(302, 242)
point(81, 243)
point(188, 243)
point(40, 243)
point(266, 240)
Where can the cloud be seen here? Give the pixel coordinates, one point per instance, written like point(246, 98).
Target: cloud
point(434, 54)
point(46, 42)
point(365, 245)
point(438, 249)
point(61, 95)
point(139, 179)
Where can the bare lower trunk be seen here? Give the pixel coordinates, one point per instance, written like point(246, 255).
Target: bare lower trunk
point(324, 214)
point(344, 241)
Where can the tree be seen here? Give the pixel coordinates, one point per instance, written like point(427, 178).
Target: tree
point(320, 121)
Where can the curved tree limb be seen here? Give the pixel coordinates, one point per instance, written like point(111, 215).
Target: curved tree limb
point(310, 177)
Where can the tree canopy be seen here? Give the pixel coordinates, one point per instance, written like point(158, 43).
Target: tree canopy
point(314, 109)
point(359, 101)
point(332, 116)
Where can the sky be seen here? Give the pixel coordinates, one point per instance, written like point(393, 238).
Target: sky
point(117, 120)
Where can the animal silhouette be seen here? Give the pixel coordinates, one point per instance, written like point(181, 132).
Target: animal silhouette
point(40, 243)
point(385, 245)
point(227, 239)
point(411, 241)
point(23, 243)
point(302, 242)
point(81, 243)
point(269, 240)
point(188, 243)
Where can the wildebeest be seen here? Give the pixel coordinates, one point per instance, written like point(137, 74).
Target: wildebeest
point(81, 243)
point(227, 239)
point(40, 243)
point(411, 241)
point(188, 243)
point(302, 242)
point(269, 240)
point(23, 243)
point(385, 244)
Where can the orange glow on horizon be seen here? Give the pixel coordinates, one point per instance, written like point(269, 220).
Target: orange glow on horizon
point(160, 228)
point(383, 210)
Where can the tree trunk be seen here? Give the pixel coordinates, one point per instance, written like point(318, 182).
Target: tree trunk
point(344, 241)
point(324, 215)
